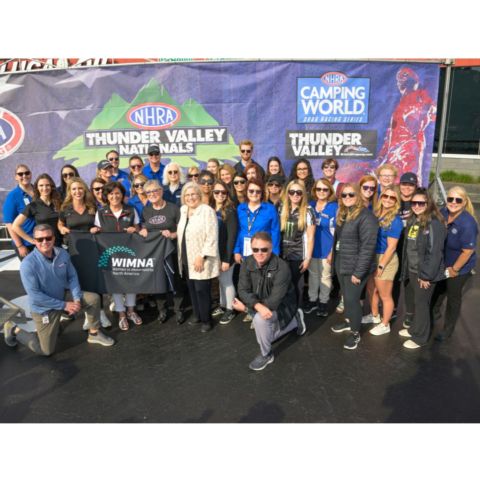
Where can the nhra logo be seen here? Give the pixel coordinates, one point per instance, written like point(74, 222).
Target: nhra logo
point(333, 79)
point(153, 116)
point(12, 133)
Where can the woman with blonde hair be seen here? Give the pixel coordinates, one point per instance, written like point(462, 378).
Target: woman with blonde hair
point(192, 174)
point(297, 227)
point(138, 197)
point(173, 181)
point(354, 257)
point(460, 258)
point(380, 283)
point(368, 190)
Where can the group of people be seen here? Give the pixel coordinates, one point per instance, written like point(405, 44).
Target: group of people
point(261, 233)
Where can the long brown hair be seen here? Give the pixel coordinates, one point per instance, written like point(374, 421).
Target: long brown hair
point(227, 204)
point(369, 178)
point(430, 212)
point(347, 214)
point(54, 195)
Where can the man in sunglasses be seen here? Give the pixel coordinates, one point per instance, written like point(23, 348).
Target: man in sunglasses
point(154, 169)
point(267, 293)
point(53, 289)
point(246, 152)
point(117, 175)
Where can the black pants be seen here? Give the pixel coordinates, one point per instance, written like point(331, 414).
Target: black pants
point(297, 279)
point(351, 299)
point(201, 297)
point(451, 289)
point(422, 319)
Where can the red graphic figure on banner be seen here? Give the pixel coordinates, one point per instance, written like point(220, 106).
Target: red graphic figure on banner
point(404, 143)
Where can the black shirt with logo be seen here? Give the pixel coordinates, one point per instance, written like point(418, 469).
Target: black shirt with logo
point(166, 218)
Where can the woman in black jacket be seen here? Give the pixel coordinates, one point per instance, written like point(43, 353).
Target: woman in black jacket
point(354, 257)
point(227, 235)
point(423, 265)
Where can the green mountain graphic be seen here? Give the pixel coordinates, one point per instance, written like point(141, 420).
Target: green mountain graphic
point(113, 117)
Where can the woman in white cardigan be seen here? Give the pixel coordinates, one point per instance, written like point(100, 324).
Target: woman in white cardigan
point(198, 256)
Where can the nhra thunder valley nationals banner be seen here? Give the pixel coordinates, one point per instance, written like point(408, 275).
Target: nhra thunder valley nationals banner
point(363, 114)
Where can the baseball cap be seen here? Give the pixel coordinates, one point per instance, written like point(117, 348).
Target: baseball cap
point(153, 149)
point(409, 177)
point(103, 164)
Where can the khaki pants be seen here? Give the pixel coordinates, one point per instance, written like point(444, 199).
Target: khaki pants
point(44, 340)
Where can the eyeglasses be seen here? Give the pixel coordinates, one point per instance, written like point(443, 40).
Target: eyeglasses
point(137, 165)
point(239, 182)
point(302, 169)
point(193, 175)
point(246, 151)
point(349, 195)
point(418, 203)
point(321, 189)
point(393, 198)
point(139, 185)
point(254, 192)
point(68, 175)
point(173, 172)
point(97, 189)
point(274, 184)
point(263, 249)
point(219, 192)
point(456, 200)
point(386, 175)
point(113, 159)
point(329, 167)
point(366, 188)
point(190, 195)
point(22, 174)
point(44, 239)
point(295, 192)
point(206, 182)
point(152, 192)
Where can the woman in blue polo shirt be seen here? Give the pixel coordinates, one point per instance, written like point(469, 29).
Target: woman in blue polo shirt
point(320, 268)
point(14, 204)
point(255, 216)
point(380, 284)
point(460, 258)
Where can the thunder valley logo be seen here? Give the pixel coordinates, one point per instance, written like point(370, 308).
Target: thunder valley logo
point(12, 133)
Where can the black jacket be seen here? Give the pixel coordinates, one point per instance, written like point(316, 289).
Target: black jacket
point(227, 235)
point(430, 245)
point(270, 285)
point(358, 239)
point(110, 223)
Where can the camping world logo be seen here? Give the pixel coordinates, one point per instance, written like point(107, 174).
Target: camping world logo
point(104, 260)
point(12, 133)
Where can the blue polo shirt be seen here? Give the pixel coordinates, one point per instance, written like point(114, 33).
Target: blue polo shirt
point(121, 177)
point(461, 233)
point(151, 175)
point(326, 222)
point(393, 231)
point(137, 204)
point(14, 205)
point(173, 197)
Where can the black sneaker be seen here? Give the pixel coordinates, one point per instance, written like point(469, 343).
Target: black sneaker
point(341, 326)
point(352, 341)
point(322, 310)
point(227, 317)
point(310, 306)
point(260, 362)
point(218, 311)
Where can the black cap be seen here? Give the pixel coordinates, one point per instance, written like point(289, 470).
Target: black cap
point(153, 149)
point(276, 177)
point(409, 177)
point(103, 164)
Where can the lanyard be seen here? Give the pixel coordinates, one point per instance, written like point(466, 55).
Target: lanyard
point(250, 222)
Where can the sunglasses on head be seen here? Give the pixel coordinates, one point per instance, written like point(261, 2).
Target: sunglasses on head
point(219, 192)
point(367, 188)
point(389, 197)
point(246, 151)
point(295, 192)
point(457, 200)
point(322, 189)
point(239, 182)
point(48, 238)
point(418, 203)
point(349, 195)
point(257, 249)
point(138, 185)
point(193, 175)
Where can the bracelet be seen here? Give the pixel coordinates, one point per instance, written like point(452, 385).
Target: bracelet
point(381, 267)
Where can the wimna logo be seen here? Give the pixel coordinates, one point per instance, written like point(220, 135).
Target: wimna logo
point(12, 133)
point(333, 79)
point(105, 258)
point(153, 116)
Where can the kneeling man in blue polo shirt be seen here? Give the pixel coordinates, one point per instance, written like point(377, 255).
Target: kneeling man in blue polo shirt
point(52, 285)
point(266, 292)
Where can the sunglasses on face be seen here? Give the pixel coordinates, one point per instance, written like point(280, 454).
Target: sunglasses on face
point(26, 173)
point(206, 182)
point(173, 172)
point(418, 203)
point(366, 188)
point(151, 192)
point(456, 200)
point(322, 189)
point(274, 184)
point(193, 175)
point(239, 182)
point(349, 195)
point(393, 198)
point(295, 192)
point(134, 167)
point(219, 192)
point(113, 159)
point(246, 151)
point(97, 189)
point(44, 239)
point(153, 154)
point(138, 185)
point(329, 167)
point(263, 249)
point(68, 175)
point(254, 192)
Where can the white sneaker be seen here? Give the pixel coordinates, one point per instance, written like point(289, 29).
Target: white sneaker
point(404, 333)
point(370, 318)
point(411, 344)
point(380, 329)
point(111, 307)
point(104, 321)
point(85, 323)
point(340, 307)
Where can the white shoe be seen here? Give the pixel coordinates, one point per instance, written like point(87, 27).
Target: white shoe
point(370, 318)
point(411, 344)
point(404, 333)
point(85, 323)
point(340, 307)
point(104, 321)
point(380, 329)
point(111, 307)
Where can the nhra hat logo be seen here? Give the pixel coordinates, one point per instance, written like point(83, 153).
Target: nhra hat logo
point(153, 116)
point(12, 133)
point(333, 79)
